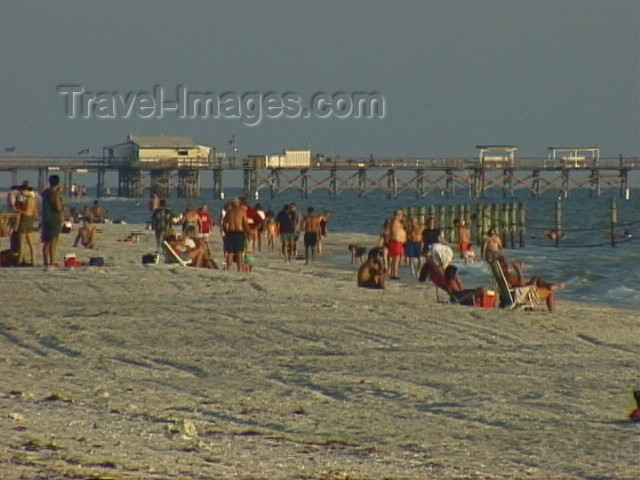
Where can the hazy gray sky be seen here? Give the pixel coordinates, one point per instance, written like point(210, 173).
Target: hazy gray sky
point(453, 74)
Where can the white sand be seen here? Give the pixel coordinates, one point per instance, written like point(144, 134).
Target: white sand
point(132, 371)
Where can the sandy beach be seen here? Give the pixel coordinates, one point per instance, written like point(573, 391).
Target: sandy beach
point(291, 372)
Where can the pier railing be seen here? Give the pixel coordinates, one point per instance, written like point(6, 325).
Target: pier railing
point(8, 162)
point(394, 175)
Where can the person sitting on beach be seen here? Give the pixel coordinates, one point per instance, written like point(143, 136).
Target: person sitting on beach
point(492, 246)
point(191, 249)
point(371, 273)
point(455, 288)
point(514, 273)
point(85, 235)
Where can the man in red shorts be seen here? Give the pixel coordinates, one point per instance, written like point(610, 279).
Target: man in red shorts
point(397, 239)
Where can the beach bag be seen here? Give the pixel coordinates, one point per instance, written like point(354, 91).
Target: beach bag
point(96, 262)
point(149, 258)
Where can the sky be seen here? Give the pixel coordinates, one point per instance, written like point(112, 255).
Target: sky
point(450, 75)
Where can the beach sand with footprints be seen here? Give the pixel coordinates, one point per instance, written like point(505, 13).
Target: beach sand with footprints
point(291, 372)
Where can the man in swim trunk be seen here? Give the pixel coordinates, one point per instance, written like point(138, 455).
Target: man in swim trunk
point(236, 228)
point(397, 239)
point(414, 246)
point(312, 231)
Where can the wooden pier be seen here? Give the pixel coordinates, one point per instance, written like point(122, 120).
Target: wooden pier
point(394, 176)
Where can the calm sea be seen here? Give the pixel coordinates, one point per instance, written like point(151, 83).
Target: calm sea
point(592, 269)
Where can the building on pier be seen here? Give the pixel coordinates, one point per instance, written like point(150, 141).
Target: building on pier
point(160, 155)
point(574, 157)
point(497, 156)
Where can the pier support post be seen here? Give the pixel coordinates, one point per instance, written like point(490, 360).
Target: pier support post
point(160, 182)
point(420, 187)
point(304, 182)
point(565, 183)
point(250, 179)
point(392, 183)
point(558, 221)
point(522, 223)
point(43, 179)
point(614, 221)
point(218, 191)
point(507, 183)
point(450, 185)
point(275, 182)
point(100, 182)
point(129, 182)
point(333, 182)
point(535, 184)
point(362, 182)
point(188, 183)
point(624, 183)
point(594, 182)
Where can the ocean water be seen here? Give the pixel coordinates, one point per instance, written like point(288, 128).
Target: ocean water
point(593, 271)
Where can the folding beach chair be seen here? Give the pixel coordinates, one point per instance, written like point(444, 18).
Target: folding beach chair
point(171, 256)
point(434, 272)
point(514, 298)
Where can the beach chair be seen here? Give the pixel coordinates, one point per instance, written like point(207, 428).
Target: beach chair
point(434, 272)
point(514, 298)
point(171, 256)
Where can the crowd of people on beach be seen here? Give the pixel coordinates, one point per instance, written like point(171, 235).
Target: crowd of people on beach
point(426, 252)
point(244, 229)
point(28, 212)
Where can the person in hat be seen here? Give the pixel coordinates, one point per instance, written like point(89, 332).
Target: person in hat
point(28, 210)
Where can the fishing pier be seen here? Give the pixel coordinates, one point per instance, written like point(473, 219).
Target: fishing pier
point(564, 170)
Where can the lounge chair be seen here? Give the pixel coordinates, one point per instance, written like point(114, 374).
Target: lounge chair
point(514, 298)
point(171, 256)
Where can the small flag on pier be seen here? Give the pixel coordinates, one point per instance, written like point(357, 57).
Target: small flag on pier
point(9, 149)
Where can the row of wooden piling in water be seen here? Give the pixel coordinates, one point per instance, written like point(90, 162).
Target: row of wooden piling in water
point(508, 219)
